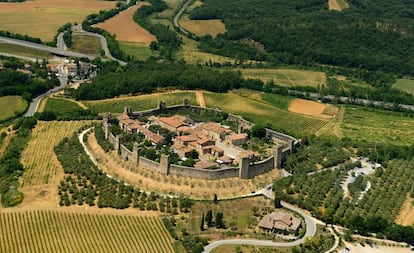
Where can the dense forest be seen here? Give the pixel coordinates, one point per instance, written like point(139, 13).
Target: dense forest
point(371, 35)
point(146, 77)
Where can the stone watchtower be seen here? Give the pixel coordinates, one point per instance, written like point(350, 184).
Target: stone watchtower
point(165, 164)
point(278, 155)
point(161, 105)
point(107, 125)
point(128, 110)
point(136, 151)
point(244, 168)
point(186, 102)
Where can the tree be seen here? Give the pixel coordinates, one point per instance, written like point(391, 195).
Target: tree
point(202, 223)
point(209, 218)
point(255, 209)
point(259, 131)
point(277, 202)
point(219, 220)
point(215, 200)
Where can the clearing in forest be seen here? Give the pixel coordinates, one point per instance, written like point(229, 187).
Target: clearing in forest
point(131, 31)
point(42, 18)
point(203, 27)
point(311, 108)
point(11, 106)
point(406, 85)
point(286, 77)
point(67, 231)
point(337, 5)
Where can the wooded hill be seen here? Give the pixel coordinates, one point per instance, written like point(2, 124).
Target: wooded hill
point(372, 35)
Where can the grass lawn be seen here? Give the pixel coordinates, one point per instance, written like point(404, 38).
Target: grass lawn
point(362, 123)
point(61, 105)
point(286, 77)
point(11, 105)
point(261, 112)
point(86, 44)
point(139, 103)
point(406, 85)
point(139, 50)
point(203, 27)
point(23, 51)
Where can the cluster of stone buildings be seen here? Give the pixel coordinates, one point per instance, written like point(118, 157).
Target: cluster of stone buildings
point(201, 137)
point(280, 222)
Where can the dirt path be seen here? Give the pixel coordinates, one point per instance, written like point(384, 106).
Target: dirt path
point(5, 141)
point(81, 105)
point(406, 215)
point(200, 99)
point(42, 104)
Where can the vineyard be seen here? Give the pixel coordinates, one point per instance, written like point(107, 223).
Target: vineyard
point(59, 231)
point(38, 158)
point(140, 103)
point(263, 113)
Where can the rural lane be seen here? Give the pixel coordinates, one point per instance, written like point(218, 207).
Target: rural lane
point(178, 15)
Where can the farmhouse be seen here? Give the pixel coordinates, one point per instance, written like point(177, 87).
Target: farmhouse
point(280, 222)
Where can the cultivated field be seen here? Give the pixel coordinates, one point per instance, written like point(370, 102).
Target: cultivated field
point(263, 113)
point(286, 77)
point(86, 44)
point(42, 18)
point(60, 231)
point(311, 108)
point(11, 105)
point(139, 103)
point(337, 5)
point(131, 31)
point(61, 105)
point(140, 51)
point(38, 158)
point(406, 85)
point(23, 51)
point(361, 123)
point(203, 27)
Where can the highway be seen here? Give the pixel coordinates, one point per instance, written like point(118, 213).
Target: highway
point(53, 50)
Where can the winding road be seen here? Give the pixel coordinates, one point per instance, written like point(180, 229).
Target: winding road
point(178, 16)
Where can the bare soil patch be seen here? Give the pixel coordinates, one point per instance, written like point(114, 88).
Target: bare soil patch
point(406, 216)
point(200, 99)
point(308, 107)
point(131, 31)
point(337, 5)
point(42, 18)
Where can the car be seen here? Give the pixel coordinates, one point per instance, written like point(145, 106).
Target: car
point(362, 244)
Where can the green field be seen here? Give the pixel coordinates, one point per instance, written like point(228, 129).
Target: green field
point(139, 50)
point(86, 44)
point(263, 113)
point(11, 106)
point(286, 77)
point(61, 106)
point(23, 51)
point(362, 123)
point(406, 85)
point(139, 103)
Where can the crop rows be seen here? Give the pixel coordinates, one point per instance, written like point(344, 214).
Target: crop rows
point(54, 231)
point(38, 158)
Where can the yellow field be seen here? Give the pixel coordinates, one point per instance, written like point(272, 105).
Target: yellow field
point(203, 27)
point(42, 18)
point(38, 158)
point(286, 77)
point(337, 5)
point(60, 231)
point(10, 105)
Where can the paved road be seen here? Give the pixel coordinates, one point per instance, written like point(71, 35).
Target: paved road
point(42, 47)
point(178, 16)
point(60, 43)
point(63, 79)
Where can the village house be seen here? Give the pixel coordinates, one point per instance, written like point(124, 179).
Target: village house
point(173, 123)
point(134, 126)
point(236, 139)
point(280, 222)
point(215, 131)
point(72, 69)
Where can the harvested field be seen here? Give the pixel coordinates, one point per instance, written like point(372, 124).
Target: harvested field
point(203, 27)
point(65, 231)
point(310, 108)
point(42, 18)
point(337, 5)
point(131, 31)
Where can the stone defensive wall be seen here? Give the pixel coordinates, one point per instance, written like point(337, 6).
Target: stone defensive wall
point(246, 169)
